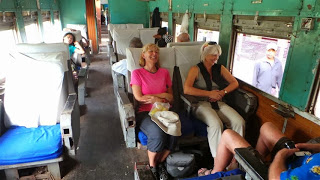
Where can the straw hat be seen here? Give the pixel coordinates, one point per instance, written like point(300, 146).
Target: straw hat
point(168, 121)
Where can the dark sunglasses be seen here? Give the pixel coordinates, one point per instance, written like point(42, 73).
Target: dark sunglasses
point(212, 43)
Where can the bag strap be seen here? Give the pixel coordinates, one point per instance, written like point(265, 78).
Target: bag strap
point(206, 77)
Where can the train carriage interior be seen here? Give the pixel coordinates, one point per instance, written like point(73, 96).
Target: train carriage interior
point(69, 107)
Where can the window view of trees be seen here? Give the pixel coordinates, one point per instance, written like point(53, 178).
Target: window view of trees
point(207, 35)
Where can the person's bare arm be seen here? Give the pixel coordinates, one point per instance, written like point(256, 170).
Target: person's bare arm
point(78, 49)
point(167, 95)
point(278, 164)
point(190, 90)
point(314, 148)
point(144, 99)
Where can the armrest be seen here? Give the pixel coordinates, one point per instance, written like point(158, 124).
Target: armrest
point(251, 163)
point(127, 118)
point(70, 123)
point(82, 72)
point(244, 102)
point(2, 128)
point(191, 101)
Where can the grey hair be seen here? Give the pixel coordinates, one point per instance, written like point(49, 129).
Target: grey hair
point(209, 49)
point(135, 43)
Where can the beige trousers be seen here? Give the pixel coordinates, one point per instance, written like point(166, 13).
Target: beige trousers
point(215, 120)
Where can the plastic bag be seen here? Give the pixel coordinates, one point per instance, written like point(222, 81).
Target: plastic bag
point(159, 106)
point(185, 23)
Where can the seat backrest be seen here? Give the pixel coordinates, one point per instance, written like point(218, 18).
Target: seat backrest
point(195, 43)
point(122, 37)
point(134, 26)
point(166, 58)
point(81, 27)
point(146, 35)
point(35, 86)
point(186, 57)
point(118, 26)
point(77, 34)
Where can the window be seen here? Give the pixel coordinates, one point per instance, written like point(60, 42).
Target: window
point(31, 26)
point(57, 23)
point(8, 35)
point(177, 28)
point(251, 50)
point(207, 27)
point(207, 35)
point(315, 101)
point(317, 106)
point(164, 24)
point(261, 48)
point(48, 35)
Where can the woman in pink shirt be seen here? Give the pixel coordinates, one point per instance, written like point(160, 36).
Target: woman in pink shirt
point(152, 84)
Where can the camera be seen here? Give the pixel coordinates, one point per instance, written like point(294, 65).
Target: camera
point(290, 145)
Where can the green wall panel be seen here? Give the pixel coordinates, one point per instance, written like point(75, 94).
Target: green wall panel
point(28, 4)
point(73, 12)
point(133, 11)
point(8, 5)
point(301, 68)
point(268, 7)
point(210, 7)
point(162, 4)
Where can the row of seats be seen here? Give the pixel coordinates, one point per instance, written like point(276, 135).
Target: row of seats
point(77, 59)
point(120, 37)
point(40, 110)
point(175, 58)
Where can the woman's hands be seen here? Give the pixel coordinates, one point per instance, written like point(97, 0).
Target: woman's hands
point(150, 99)
point(216, 95)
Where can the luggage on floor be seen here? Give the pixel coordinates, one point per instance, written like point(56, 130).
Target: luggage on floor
point(180, 164)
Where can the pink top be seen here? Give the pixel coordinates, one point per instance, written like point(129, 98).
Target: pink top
point(151, 83)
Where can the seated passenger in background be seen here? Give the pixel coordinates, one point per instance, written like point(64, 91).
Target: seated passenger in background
point(162, 38)
point(121, 66)
point(271, 140)
point(74, 47)
point(211, 82)
point(183, 37)
point(151, 84)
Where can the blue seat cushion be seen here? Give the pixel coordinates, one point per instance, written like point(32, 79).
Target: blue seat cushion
point(219, 175)
point(143, 138)
point(21, 145)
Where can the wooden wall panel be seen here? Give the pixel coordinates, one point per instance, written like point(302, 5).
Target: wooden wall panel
point(298, 128)
point(91, 23)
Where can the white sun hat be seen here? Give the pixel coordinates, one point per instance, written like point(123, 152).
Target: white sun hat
point(168, 121)
point(272, 46)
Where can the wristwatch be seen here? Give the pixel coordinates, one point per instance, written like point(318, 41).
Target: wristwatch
point(225, 92)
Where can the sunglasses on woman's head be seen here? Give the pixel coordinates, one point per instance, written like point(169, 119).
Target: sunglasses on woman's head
point(212, 43)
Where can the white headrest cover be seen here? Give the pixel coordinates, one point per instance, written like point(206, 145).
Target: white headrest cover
point(117, 26)
point(46, 48)
point(195, 43)
point(77, 34)
point(133, 57)
point(81, 27)
point(123, 38)
point(146, 35)
point(167, 59)
point(186, 56)
point(134, 26)
point(33, 89)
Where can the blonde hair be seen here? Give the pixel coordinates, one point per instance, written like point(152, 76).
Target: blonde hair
point(142, 61)
point(209, 48)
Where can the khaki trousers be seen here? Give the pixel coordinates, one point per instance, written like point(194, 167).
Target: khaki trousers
point(215, 120)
